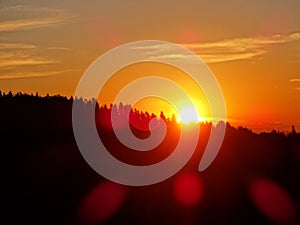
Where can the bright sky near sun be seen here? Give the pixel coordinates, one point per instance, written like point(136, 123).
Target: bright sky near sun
point(253, 48)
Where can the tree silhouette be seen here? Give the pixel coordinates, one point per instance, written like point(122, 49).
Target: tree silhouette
point(45, 179)
point(293, 130)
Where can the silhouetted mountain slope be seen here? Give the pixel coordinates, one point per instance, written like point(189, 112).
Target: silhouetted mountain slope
point(45, 180)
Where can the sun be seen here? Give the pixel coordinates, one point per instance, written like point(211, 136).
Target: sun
point(187, 115)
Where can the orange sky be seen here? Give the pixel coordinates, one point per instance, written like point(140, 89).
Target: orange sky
point(253, 47)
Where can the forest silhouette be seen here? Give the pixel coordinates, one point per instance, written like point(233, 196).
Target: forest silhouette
point(253, 180)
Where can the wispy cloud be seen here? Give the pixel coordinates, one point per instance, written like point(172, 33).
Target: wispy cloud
point(18, 75)
point(24, 62)
point(25, 24)
point(13, 46)
point(223, 51)
point(25, 8)
point(22, 17)
point(20, 54)
point(16, 57)
point(239, 48)
point(59, 48)
point(295, 80)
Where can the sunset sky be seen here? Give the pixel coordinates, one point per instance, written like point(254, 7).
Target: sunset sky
point(253, 47)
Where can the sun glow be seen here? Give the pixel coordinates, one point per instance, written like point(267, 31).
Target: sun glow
point(188, 115)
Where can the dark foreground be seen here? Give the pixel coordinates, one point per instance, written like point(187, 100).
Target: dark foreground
point(45, 180)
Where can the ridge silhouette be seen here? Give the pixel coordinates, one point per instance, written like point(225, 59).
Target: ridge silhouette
point(45, 180)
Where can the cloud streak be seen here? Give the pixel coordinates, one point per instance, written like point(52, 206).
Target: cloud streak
point(295, 80)
point(26, 24)
point(19, 75)
point(27, 9)
point(239, 48)
point(20, 54)
point(223, 51)
point(21, 17)
point(59, 48)
point(13, 46)
point(24, 62)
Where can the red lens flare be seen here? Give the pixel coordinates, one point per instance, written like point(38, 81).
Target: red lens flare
point(101, 203)
point(188, 189)
point(273, 201)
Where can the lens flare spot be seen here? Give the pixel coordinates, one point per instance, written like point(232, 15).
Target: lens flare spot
point(188, 35)
point(188, 189)
point(273, 201)
point(101, 203)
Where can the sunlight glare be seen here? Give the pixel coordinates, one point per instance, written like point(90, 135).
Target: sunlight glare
point(188, 115)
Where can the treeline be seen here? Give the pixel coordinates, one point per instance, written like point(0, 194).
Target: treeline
point(23, 104)
point(45, 179)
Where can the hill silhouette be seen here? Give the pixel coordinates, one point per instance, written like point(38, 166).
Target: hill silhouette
point(45, 180)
